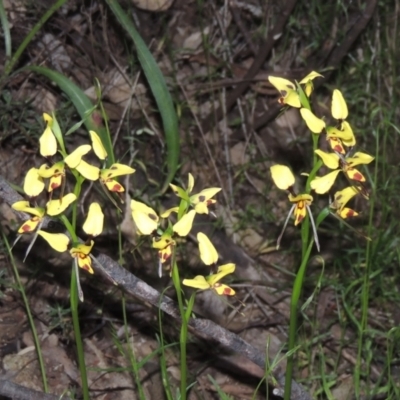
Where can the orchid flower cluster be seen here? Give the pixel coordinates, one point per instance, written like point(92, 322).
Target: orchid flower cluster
point(165, 234)
point(51, 176)
point(341, 140)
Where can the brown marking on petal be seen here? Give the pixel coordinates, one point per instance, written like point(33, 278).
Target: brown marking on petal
point(357, 176)
point(281, 100)
point(54, 185)
point(339, 148)
point(117, 188)
point(227, 291)
point(25, 228)
point(164, 256)
point(350, 213)
point(152, 216)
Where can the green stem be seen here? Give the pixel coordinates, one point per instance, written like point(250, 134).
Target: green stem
point(29, 314)
point(184, 327)
point(74, 301)
point(297, 287)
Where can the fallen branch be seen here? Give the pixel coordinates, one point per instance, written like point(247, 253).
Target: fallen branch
point(18, 392)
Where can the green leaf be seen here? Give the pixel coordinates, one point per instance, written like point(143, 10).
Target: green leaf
point(159, 89)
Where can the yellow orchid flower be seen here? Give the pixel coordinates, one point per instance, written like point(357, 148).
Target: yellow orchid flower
point(343, 133)
point(56, 173)
point(94, 222)
point(48, 142)
point(341, 198)
point(107, 175)
point(165, 245)
point(339, 163)
point(145, 217)
point(53, 207)
point(31, 224)
point(288, 90)
point(307, 81)
point(199, 201)
point(284, 180)
point(113, 171)
point(81, 254)
point(33, 183)
point(212, 281)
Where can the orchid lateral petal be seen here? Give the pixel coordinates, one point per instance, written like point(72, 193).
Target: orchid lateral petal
point(342, 197)
point(93, 225)
point(168, 212)
point(58, 241)
point(88, 171)
point(331, 160)
point(310, 77)
point(359, 158)
point(33, 184)
point(73, 159)
point(178, 191)
point(282, 176)
point(56, 207)
point(184, 225)
point(116, 170)
point(208, 253)
point(314, 124)
point(222, 271)
point(24, 206)
point(199, 282)
point(145, 218)
point(278, 241)
point(323, 184)
point(314, 228)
